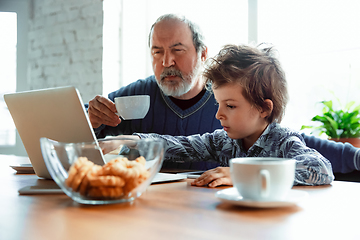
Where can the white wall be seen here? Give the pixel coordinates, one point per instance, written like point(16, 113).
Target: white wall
point(65, 45)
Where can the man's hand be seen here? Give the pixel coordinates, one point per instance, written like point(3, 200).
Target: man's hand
point(102, 111)
point(214, 177)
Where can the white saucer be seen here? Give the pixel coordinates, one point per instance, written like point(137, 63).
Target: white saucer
point(23, 168)
point(231, 195)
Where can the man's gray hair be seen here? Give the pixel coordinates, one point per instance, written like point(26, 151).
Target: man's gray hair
point(198, 37)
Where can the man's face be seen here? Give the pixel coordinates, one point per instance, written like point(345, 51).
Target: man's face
point(175, 61)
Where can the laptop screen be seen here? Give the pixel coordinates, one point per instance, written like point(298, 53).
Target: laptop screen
point(55, 113)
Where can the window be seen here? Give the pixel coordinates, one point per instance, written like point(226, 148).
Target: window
point(14, 17)
point(8, 26)
point(111, 46)
point(319, 48)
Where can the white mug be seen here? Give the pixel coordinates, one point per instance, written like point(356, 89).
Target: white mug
point(132, 107)
point(263, 178)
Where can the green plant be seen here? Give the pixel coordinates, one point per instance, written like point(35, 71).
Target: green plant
point(343, 123)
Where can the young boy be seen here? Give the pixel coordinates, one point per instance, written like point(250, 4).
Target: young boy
point(251, 90)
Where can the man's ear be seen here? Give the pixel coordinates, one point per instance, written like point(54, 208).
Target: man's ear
point(204, 54)
point(267, 109)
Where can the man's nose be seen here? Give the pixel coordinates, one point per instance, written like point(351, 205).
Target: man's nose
point(168, 59)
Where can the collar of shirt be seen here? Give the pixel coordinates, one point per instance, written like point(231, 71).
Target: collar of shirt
point(260, 143)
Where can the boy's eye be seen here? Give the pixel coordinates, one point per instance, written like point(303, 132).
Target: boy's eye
point(230, 106)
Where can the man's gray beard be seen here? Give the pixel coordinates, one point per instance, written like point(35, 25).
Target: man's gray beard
point(174, 88)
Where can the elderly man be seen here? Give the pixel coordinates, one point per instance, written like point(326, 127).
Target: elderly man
point(179, 101)
point(180, 104)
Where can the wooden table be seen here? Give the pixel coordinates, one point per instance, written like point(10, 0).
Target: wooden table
point(174, 211)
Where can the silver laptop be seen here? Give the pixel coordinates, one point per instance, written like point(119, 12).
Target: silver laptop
point(58, 114)
point(55, 113)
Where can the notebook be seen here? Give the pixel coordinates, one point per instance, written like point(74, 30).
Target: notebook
point(55, 113)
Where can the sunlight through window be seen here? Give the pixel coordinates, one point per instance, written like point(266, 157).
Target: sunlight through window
point(8, 27)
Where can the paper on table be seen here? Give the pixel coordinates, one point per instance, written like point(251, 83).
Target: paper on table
point(192, 175)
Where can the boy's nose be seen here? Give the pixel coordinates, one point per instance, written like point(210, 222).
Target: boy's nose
point(218, 114)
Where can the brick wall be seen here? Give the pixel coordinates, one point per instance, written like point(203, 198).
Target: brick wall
point(65, 45)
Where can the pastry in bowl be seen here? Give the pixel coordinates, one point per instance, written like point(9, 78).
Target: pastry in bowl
point(122, 178)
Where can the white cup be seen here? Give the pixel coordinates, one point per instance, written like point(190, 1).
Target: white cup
point(132, 107)
point(263, 178)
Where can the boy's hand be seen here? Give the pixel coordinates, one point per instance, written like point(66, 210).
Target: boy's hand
point(214, 177)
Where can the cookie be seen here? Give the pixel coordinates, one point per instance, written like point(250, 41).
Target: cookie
point(74, 170)
point(81, 172)
point(94, 171)
point(105, 192)
point(106, 181)
point(116, 178)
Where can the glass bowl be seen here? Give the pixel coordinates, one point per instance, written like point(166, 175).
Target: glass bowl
point(88, 176)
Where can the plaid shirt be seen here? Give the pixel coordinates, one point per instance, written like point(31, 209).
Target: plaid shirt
point(276, 141)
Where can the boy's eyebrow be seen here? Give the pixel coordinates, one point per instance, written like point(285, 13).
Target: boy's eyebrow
point(228, 99)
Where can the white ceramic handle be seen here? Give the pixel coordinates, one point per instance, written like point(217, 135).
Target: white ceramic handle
point(264, 183)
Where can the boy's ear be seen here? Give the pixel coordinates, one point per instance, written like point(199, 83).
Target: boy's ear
point(267, 109)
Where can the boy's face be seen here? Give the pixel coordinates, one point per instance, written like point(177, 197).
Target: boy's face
point(238, 117)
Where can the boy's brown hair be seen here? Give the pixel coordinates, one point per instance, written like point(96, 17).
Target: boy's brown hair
point(257, 71)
